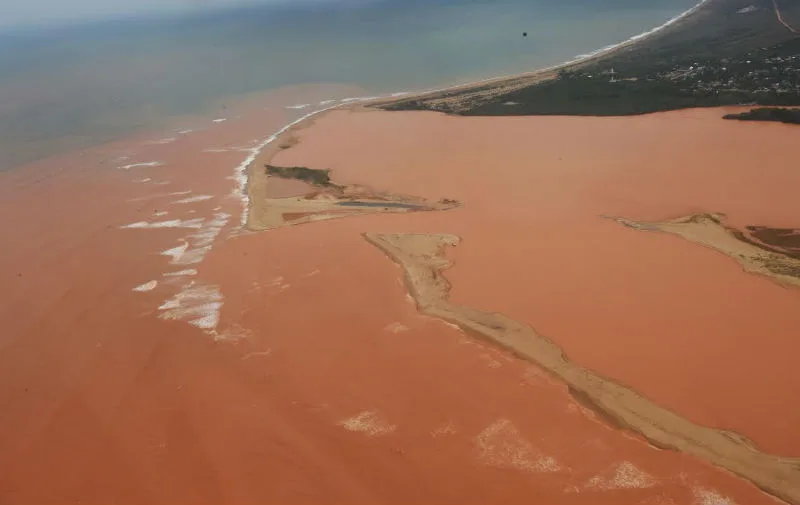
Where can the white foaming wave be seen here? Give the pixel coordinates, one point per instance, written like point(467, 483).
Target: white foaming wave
point(240, 172)
point(147, 286)
point(166, 140)
point(326, 102)
point(160, 213)
point(362, 98)
point(142, 164)
point(577, 59)
point(193, 199)
point(219, 120)
point(184, 132)
point(176, 252)
point(173, 223)
point(197, 304)
point(140, 181)
point(299, 106)
point(203, 240)
point(195, 247)
point(669, 22)
point(181, 273)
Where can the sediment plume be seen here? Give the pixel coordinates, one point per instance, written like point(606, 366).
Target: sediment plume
point(422, 258)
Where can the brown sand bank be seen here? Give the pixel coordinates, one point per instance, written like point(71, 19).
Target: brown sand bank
point(422, 257)
point(346, 393)
point(682, 324)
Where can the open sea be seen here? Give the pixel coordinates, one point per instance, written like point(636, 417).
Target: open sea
point(69, 87)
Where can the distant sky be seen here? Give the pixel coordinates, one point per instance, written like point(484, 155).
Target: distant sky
point(47, 12)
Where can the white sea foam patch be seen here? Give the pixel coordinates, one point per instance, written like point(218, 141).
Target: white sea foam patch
point(299, 106)
point(173, 223)
point(176, 252)
point(197, 304)
point(710, 497)
point(501, 445)
point(626, 476)
point(146, 179)
point(195, 247)
point(142, 164)
point(219, 120)
point(369, 423)
point(182, 273)
point(184, 132)
point(193, 199)
point(166, 140)
point(326, 102)
point(147, 286)
point(160, 213)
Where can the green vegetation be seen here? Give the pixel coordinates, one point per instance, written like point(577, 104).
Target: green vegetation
point(782, 115)
point(768, 76)
point(314, 176)
point(729, 52)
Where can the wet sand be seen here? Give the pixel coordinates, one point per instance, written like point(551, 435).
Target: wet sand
point(296, 368)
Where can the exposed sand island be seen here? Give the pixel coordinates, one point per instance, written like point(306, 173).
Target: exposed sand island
point(771, 252)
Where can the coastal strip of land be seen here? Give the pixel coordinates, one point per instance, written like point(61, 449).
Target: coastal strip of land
point(722, 52)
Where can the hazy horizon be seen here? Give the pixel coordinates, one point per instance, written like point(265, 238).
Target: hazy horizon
point(78, 85)
point(46, 14)
point(35, 14)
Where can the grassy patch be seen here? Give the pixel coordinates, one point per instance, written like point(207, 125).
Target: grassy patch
point(314, 176)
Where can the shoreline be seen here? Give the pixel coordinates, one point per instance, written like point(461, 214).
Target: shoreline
point(141, 310)
point(539, 298)
point(578, 60)
point(242, 171)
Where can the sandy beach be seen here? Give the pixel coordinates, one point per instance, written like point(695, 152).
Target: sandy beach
point(471, 310)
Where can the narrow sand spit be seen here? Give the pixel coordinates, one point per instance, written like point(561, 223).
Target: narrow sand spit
point(423, 261)
point(362, 409)
point(773, 260)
